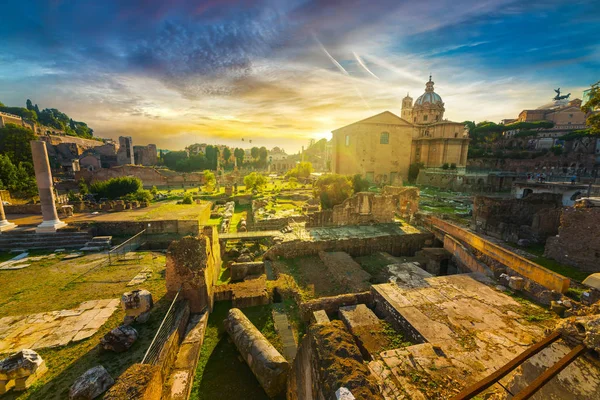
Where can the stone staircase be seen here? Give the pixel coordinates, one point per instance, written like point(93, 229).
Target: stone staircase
point(29, 240)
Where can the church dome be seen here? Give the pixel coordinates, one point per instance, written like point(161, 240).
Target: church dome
point(429, 96)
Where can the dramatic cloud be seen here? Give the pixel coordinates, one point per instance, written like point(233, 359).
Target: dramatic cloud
point(282, 72)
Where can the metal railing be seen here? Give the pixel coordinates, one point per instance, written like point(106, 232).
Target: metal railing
point(163, 332)
point(120, 251)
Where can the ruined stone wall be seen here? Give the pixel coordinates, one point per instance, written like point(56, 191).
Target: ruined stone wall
point(578, 239)
point(328, 359)
point(240, 270)
point(365, 208)
point(534, 217)
point(34, 209)
point(332, 304)
point(149, 176)
point(84, 143)
point(396, 245)
point(193, 265)
point(465, 260)
point(522, 266)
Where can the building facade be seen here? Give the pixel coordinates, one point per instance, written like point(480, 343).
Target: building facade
point(381, 148)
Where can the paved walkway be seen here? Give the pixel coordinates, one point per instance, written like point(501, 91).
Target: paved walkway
point(282, 325)
point(55, 328)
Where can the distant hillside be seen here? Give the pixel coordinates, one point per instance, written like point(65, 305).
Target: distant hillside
point(52, 118)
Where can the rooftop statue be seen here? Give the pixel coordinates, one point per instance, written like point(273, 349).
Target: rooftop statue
point(559, 97)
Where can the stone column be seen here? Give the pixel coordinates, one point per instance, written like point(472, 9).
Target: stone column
point(43, 176)
point(4, 224)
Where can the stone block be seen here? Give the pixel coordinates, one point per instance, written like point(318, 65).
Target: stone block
point(91, 384)
point(137, 305)
point(516, 283)
point(119, 339)
point(320, 317)
point(20, 365)
point(265, 362)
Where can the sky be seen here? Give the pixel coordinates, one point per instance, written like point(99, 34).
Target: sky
point(281, 72)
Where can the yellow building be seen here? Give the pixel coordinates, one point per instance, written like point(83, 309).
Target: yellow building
point(382, 147)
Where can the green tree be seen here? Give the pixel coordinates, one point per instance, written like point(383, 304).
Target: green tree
point(173, 157)
point(255, 181)
point(83, 187)
point(154, 191)
point(254, 152)
point(210, 181)
point(301, 170)
point(359, 184)
point(332, 189)
point(29, 105)
point(239, 155)
point(593, 104)
point(226, 155)
point(413, 171)
point(14, 142)
point(262, 155)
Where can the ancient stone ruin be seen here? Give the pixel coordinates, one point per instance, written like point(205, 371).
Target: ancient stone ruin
point(21, 370)
point(269, 367)
point(193, 265)
point(91, 384)
point(137, 305)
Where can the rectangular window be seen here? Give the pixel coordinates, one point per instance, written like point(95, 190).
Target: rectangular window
point(424, 117)
point(347, 140)
point(384, 138)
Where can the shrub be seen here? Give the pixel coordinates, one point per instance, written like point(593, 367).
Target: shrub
point(445, 166)
point(359, 184)
point(255, 181)
point(333, 189)
point(187, 199)
point(413, 171)
point(116, 187)
point(453, 166)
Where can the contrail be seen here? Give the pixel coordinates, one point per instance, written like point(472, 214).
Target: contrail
point(333, 60)
point(342, 70)
point(362, 64)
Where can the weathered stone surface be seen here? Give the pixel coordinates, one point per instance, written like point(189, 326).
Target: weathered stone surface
point(137, 305)
point(91, 384)
point(20, 365)
point(328, 359)
point(578, 239)
point(578, 330)
point(269, 367)
point(119, 339)
point(516, 283)
point(138, 382)
point(193, 265)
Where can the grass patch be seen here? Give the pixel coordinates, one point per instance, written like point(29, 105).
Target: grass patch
point(564, 270)
point(173, 211)
point(395, 339)
point(23, 293)
point(240, 211)
point(221, 373)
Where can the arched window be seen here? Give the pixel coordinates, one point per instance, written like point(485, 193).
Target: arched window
point(455, 134)
point(384, 138)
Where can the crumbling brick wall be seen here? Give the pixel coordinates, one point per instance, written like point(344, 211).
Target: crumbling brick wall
point(534, 217)
point(578, 239)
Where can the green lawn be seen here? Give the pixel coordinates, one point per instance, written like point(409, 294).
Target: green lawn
point(221, 373)
point(54, 284)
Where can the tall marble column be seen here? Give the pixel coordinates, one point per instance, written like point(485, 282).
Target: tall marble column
point(4, 224)
point(43, 176)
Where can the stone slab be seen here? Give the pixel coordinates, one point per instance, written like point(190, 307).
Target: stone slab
point(54, 328)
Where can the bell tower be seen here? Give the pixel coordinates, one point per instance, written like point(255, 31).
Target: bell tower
point(407, 105)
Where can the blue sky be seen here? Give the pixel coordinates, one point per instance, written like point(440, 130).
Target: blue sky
point(280, 72)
